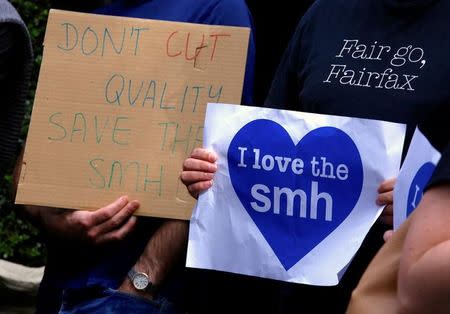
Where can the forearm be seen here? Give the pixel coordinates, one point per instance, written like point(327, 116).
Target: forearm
point(424, 277)
point(426, 286)
point(164, 250)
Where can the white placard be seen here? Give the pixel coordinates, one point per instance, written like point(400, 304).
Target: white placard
point(294, 194)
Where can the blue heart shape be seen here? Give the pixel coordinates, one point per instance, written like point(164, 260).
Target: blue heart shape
point(417, 186)
point(266, 168)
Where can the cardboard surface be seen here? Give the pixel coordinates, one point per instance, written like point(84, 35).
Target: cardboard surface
point(120, 103)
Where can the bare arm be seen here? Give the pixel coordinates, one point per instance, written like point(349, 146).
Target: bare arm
point(161, 254)
point(424, 278)
point(168, 243)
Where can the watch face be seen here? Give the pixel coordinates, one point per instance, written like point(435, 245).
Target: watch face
point(140, 281)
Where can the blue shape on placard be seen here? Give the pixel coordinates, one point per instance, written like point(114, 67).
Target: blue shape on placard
point(418, 185)
point(295, 194)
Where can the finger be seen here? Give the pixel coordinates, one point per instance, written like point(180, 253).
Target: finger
point(105, 213)
point(196, 188)
point(192, 164)
point(387, 235)
point(115, 222)
point(387, 185)
point(386, 198)
point(117, 234)
point(204, 154)
point(190, 177)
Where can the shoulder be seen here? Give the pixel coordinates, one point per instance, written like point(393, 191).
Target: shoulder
point(9, 20)
point(5, 4)
point(8, 12)
point(214, 5)
point(323, 16)
point(239, 4)
point(226, 12)
point(322, 10)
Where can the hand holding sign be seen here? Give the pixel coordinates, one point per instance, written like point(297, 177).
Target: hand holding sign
point(417, 169)
point(120, 103)
point(386, 198)
point(109, 223)
point(294, 193)
point(198, 171)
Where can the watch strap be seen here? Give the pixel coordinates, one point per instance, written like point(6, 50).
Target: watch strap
point(151, 288)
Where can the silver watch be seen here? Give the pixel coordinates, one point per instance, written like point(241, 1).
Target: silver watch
point(141, 281)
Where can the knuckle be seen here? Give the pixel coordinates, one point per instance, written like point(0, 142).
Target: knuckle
point(115, 222)
point(85, 222)
point(197, 151)
point(91, 236)
point(108, 212)
point(183, 176)
point(187, 164)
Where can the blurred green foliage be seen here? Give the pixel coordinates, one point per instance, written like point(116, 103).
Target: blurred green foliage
point(20, 242)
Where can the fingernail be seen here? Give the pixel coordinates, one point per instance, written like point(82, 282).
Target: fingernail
point(135, 205)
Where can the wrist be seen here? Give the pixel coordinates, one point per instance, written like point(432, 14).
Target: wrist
point(128, 286)
point(141, 283)
point(150, 267)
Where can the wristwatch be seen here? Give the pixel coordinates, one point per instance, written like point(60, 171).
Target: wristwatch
point(141, 281)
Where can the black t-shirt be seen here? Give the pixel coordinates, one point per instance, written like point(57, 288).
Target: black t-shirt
point(437, 129)
point(368, 59)
point(442, 173)
point(375, 59)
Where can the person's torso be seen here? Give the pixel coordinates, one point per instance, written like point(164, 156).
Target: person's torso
point(373, 59)
point(72, 266)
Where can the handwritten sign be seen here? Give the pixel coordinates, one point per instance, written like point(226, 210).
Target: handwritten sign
point(294, 194)
point(120, 103)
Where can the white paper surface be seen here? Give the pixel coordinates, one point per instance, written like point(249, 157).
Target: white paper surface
point(419, 164)
point(224, 232)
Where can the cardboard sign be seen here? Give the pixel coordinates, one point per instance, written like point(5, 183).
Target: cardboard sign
point(417, 169)
point(120, 103)
point(294, 194)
